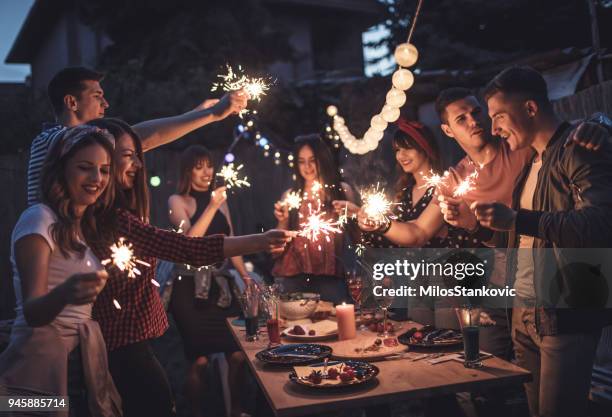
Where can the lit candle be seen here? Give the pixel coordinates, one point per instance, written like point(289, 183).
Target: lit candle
point(345, 314)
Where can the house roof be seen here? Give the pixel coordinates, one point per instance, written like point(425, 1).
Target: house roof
point(40, 20)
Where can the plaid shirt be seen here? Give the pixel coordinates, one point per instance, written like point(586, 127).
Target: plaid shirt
point(140, 314)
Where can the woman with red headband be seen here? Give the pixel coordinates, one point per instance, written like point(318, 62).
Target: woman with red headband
point(417, 156)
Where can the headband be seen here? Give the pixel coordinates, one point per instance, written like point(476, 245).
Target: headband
point(74, 135)
point(414, 130)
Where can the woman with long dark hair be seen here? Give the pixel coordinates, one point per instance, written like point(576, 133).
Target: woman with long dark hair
point(129, 310)
point(313, 265)
point(202, 299)
point(57, 278)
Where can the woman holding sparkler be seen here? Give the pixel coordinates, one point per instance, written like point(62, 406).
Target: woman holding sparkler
point(417, 156)
point(57, 278)
point(129, 310)
point(311, 262)
point(202, 299)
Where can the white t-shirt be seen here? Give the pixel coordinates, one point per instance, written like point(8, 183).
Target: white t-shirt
point(37, 220)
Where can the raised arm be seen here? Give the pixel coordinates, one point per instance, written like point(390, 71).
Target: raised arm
point(158, 132)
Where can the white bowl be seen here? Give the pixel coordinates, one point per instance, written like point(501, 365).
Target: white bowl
point(299, 309)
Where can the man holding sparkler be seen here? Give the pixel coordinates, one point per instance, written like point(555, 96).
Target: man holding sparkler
point(77, 98)
point(562, 200)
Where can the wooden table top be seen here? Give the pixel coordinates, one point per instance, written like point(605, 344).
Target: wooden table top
point(399, 379)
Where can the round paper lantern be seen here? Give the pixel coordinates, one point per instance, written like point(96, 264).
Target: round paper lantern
point(332, 111)
point(396, 98)
point(406, 55)
point(373, 135)
point(402, 79)
point(378, 123)
point(390, 114)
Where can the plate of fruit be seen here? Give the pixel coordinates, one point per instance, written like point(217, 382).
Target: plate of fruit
point(429, 336)
point(334, 374)
point(294, 354)
point(311, 331)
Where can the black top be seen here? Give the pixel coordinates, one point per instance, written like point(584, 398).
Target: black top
point(218, 224)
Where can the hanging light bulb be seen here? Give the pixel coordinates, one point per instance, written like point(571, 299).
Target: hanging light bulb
point(402, 79)
point(406, 55)
point(396, 98)
point(390, 114)
point(378, 123)
point(332, 110)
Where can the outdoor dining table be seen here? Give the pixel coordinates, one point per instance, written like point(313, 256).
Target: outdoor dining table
point(398, 380)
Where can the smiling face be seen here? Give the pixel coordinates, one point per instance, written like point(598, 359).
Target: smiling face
point(411, 160)
point(87, 175)
point(202, 175)
point(90, 103)
point(307, 164)
point(467, 123)
point(127, 162)
point(512, 119)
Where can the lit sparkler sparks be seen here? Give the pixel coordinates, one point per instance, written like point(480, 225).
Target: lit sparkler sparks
point(122, 256)
point(434, 180)
point(236, 80)
point(466, 185)
point(315, 226)
point(376, 206)
point(292, 200)
point(230, 176)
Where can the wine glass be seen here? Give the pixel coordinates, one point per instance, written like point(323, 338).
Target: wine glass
point(355, 287)
point(384, 301)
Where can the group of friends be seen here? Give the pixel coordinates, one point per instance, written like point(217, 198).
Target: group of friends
point(542, 183)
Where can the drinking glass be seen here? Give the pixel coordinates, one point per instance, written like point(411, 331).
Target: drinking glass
point(384, 301)
point(250, 307)
point(355, 286)
point(469, 320)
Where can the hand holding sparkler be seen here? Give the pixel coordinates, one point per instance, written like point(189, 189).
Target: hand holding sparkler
point(254, 87)
point(495, 216)
point(457, 213)
point(365, 222)
point(218, 197)
point(82, 289)
point(281, 212)
point(376, 206)
point(234, 102)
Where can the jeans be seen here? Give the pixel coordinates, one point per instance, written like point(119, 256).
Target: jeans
point(560, 364)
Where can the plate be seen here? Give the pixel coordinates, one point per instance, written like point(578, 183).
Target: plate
point(324, 329)
point(294, 354)
point(363, 348)
point(455, 340)
point(363, 371)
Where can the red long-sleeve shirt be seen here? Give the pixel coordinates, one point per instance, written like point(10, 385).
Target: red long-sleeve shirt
point(141, 315)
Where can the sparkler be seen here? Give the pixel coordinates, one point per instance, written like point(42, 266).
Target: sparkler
point(376, 206)
point(293, 200)
point(230, 176)
point(434, 180)
point(466, 185)
point(315, 226)
point(236, 80)
point(122, 256)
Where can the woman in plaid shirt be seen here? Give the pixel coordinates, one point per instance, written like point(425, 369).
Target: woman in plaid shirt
point(129, 310)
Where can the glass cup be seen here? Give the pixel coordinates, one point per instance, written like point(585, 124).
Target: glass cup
point(384, 301)
point(469, 320)
point(250, 308)
point(355, 286)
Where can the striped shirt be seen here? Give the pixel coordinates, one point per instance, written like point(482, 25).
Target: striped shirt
point(38, 154)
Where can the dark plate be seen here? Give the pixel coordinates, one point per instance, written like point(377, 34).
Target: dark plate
point(283, 355)
point(404, 339)
point(366, 369)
